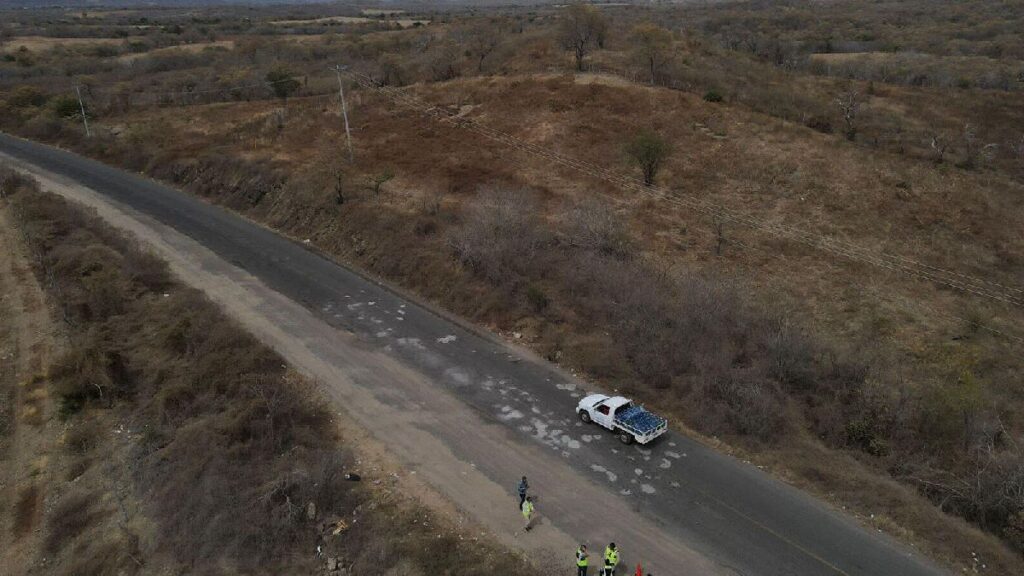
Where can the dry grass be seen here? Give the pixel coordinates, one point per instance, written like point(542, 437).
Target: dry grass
point(221, 448)
point(181, 49)
point(402, 22)
point(43, 43)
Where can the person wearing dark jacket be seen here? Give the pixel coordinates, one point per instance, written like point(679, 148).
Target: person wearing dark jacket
point(523, 487)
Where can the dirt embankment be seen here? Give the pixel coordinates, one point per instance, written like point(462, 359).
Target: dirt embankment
point(171, 440)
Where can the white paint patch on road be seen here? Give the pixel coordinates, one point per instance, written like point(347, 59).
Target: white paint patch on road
point(665, 464)
point(625, 492)
point(647, 489)
point(638, 472)
point(447, 339)
point(673, 455)
point(411, 342)
point(354, 305)
point(570, 387)
point(540, 428)
point(458, 375)
point(508, 414)
point(572, 443)
point(586, 438)
point(612, 476)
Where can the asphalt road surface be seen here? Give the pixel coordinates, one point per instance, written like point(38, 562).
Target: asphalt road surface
point(474, 413)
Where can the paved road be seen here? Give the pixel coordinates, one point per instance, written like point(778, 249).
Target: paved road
point(734, 518)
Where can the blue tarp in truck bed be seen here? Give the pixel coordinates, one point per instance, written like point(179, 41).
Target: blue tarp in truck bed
point(639, 419)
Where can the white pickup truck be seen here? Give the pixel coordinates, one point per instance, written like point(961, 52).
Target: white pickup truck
point(630, 422)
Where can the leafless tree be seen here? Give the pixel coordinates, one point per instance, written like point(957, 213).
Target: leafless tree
point(720, 239)
point(652, 46)
point(939, 144)
point(1017, 149)
point(392, 72)
point(975, 151)
point(849, 103)
point(443, 61)
point(480, 41)
point(580, 27)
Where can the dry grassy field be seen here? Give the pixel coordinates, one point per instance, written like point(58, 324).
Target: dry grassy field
point(826, 275)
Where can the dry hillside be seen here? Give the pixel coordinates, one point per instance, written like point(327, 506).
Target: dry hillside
point(826, 275)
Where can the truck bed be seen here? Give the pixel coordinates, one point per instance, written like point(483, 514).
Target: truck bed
point(640, 421)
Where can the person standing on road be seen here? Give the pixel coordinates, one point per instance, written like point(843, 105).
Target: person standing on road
point(582, 560)
point(528, 512)
point(523, 487)
point(611, 559)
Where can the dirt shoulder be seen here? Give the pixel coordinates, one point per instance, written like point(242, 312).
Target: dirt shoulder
point(29, 435)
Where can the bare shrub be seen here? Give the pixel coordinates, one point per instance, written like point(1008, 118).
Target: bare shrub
point(82, 438)
point(990, 493)
point(746, 402)
point(976, 152)
point(594, 225)
point(500, 234)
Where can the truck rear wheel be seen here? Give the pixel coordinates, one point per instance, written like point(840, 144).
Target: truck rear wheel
point(585, 416)
point(626, 438)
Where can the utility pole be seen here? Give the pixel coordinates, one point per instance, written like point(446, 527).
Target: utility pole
point(344, 113)
point(81, 106)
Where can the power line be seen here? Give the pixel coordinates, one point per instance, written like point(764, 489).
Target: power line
point(951, 279)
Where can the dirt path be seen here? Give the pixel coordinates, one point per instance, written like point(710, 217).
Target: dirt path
point(27, 343)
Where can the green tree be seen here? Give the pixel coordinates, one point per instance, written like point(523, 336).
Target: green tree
point(379, 179)
point(952, 409)
point(648, 151)
point(65, 107)
point(25, 97)
point(283, 82)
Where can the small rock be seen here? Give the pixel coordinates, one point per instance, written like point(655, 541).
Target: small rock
point(311, 511)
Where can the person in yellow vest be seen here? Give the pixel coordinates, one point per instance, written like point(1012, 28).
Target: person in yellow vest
point(528, 512)
point(611, 559)
point(582, 560)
